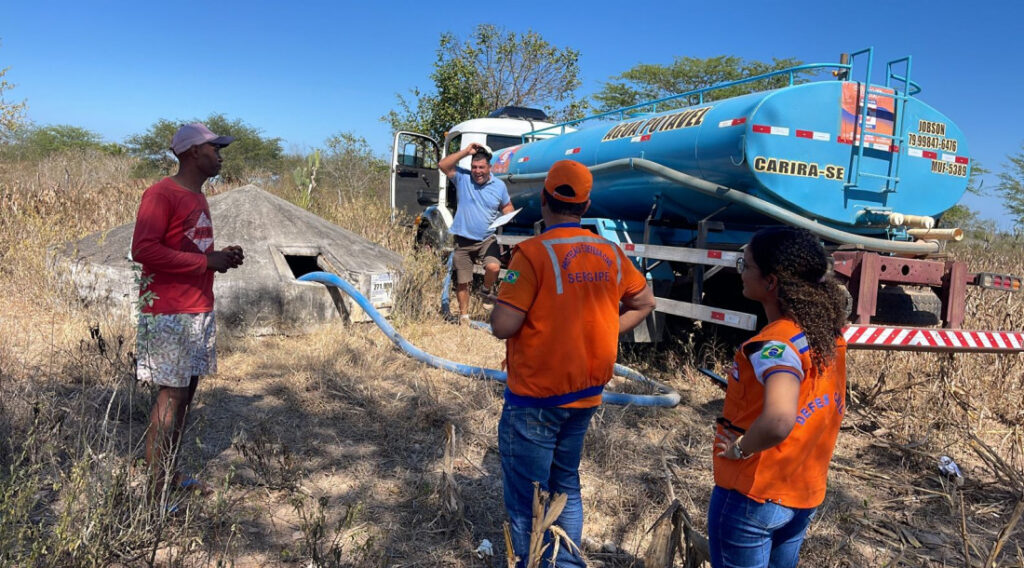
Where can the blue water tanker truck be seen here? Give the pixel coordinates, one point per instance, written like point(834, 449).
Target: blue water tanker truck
point(682, 182)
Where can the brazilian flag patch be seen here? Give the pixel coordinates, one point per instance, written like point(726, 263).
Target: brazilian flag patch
point(511, 276)
point(773, 351)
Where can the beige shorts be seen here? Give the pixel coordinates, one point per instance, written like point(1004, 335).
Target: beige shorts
point(173, 348)
point(468, 251)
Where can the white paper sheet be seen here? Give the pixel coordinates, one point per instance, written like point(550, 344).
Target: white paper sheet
point(504, 219)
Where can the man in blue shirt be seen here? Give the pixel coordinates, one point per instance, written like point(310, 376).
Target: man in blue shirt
point(480, 198)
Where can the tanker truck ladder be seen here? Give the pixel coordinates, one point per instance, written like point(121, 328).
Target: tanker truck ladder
point(860, 141)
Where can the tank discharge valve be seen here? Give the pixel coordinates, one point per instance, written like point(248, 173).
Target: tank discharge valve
point(919, 222)
point(875, 218)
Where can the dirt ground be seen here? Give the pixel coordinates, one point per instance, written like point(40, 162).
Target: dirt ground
point(342, 425)
point(328, 449)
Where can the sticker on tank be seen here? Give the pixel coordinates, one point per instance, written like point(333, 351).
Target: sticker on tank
point(673, 121)
point(797, 168)
point(931, 135)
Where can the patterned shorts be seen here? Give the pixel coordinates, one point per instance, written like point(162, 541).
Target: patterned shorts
point(173, 348)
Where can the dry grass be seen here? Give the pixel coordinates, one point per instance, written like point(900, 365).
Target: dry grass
point(333, 449)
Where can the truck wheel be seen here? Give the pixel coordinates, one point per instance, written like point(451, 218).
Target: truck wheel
point(907, 306)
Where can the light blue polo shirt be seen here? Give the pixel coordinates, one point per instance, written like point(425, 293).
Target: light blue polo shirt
point(478, 205)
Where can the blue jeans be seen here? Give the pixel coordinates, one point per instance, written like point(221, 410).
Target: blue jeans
point(542, 445)
point(743, 533)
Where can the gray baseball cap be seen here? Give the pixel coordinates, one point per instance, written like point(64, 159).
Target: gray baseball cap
point(194, 134)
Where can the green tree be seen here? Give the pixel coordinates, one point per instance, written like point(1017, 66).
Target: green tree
point(963, 217)
point(1011, 186)
point(491, 69)
point(957, 216)
point(650, 81)
point(12, 115)
point(251, 155)
point(43, 141)
point(352, 169)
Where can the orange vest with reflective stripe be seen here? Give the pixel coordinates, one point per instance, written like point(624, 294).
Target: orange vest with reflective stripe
point(568, 282)
point(793, 473)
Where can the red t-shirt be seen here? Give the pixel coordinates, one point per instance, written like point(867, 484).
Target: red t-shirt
point(173, 234)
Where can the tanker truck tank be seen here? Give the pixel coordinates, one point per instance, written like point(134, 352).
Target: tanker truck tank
point(799, 147)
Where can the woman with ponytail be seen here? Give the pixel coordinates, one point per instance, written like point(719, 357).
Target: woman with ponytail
point(783, 405)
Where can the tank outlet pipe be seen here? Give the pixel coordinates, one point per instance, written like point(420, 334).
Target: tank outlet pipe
point(918, 221)
point(955, 235)
point(755, 203)
point(667, 397)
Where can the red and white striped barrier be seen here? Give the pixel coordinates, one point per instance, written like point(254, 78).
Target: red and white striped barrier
point(918, 339)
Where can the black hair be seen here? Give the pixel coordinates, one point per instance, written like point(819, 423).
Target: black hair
point(559, 207)
point(481, 155)
point(807, 294)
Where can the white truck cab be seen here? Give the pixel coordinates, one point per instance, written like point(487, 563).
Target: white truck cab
point(419, 191)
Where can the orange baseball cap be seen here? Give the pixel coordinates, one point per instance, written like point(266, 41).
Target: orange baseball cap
point(569, 181)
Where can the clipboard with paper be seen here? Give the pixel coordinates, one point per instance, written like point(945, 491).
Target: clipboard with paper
point(503, 219)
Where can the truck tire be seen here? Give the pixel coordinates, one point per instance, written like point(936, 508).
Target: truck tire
point(427, 238)
point(907, 306)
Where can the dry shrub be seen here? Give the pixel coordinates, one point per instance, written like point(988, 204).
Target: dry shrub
point(907, 410)
point(62, 198)
point(71, 492)
point(71, 416)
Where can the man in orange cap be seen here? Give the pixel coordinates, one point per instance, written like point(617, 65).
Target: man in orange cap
point(559, 309)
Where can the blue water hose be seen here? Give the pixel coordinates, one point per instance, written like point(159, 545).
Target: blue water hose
point(666, 397)
point(446, 286)
point(413, 351)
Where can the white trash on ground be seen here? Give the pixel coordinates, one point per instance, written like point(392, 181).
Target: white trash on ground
point(949, 468)
point(485, 549)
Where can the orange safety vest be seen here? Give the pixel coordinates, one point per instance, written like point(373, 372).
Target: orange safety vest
point(793, 473)
point(568, 282)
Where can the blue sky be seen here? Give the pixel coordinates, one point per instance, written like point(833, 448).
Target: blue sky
point(307, 70)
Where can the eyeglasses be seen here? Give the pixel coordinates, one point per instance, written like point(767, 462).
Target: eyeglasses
point(741, 265)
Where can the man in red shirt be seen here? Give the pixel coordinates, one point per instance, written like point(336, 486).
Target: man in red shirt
point(173, 241)
point(566, 297)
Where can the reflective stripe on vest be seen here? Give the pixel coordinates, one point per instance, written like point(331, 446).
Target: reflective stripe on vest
point(550, 246)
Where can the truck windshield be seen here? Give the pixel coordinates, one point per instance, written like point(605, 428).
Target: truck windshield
point(498, 142)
